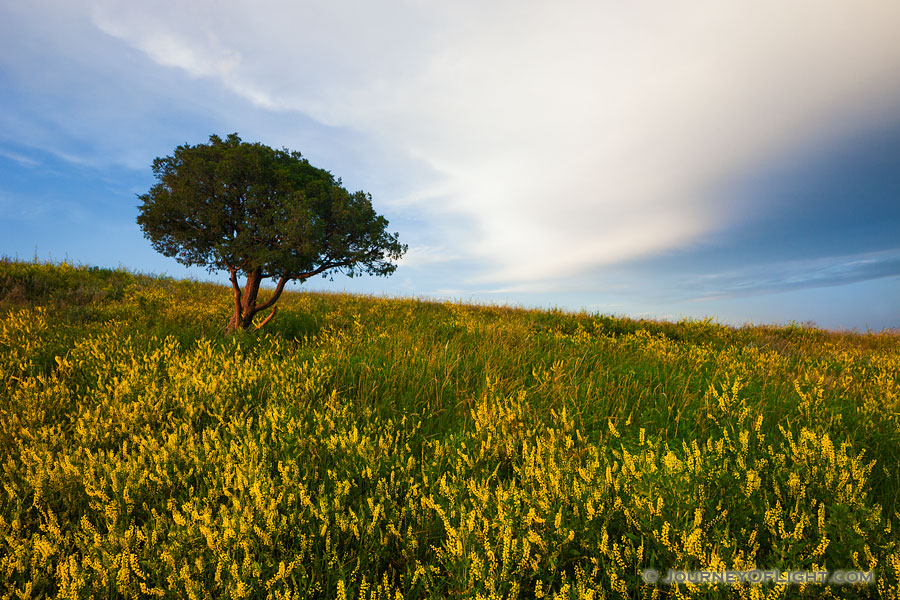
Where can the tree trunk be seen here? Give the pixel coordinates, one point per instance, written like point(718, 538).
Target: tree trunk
point(251, 290)
point(245, 307)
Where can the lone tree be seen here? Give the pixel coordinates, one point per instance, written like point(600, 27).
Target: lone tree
point(264, 213)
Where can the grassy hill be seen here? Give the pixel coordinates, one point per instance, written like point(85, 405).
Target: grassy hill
point(377, 448)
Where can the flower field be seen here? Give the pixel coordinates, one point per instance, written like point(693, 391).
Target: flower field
point(373, 448)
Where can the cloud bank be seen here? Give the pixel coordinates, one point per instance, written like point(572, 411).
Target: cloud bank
point(561, 137)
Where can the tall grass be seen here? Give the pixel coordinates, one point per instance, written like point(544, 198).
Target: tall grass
point(377, 448)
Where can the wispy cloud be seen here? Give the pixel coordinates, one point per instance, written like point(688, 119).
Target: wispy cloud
point(16, 208)
point(791, 275)
point(25, 161)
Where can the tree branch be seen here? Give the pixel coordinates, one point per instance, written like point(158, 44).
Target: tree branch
point(267, 319)
point(278, 289)
point(322, 268)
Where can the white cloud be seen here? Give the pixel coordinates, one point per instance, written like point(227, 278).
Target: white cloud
point(570, 134)
point(422, 255)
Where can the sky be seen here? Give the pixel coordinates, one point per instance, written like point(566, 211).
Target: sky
point(728, 160)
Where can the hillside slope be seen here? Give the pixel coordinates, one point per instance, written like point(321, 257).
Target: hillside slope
point(382, 448)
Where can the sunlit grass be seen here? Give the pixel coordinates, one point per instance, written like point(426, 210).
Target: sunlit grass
point(381, 448)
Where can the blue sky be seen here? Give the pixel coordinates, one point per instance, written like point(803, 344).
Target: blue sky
point(726, 160)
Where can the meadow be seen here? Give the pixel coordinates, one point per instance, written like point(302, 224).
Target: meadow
point(378, 448)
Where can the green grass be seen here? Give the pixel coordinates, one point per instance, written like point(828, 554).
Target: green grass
point(365, 447)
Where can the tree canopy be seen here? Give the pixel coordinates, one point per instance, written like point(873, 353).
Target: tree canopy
point(265, 213)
